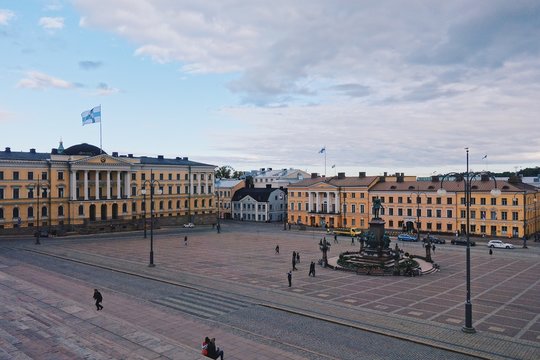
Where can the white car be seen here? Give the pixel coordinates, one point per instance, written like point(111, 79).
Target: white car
point(499, 244)
point(189, 225)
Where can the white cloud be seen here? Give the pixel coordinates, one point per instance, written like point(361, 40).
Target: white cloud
point(106, 90)
point(6, 16)
point(385, 82)
point(41, 81)
point(51, 23)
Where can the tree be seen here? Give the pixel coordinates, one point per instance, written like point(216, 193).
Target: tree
point(223, 172)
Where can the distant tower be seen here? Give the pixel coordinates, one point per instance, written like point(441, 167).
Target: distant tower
point(61, 147)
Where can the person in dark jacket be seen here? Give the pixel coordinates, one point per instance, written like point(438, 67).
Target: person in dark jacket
point(214, 352)
point(99, 299)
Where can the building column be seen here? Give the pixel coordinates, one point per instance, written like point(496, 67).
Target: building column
point(310, 201)
point(127, 174)
point(118, 187)
point(73, 186)
point(336, 194)
point(317, 201)
point(108, 185)
point(327, 201)
point(85, 185)
point(97, 185)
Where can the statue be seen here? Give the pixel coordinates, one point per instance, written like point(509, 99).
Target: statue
point(376, 208)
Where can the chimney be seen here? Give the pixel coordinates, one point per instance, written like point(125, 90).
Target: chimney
point(399, 178)
point(382, 179)
point(484, 177)
point(178, 158)
point(160, 157)
point(362, 174)
point(130, 155)
point(32, 151)
point(185, 158)
point(8, 149)
point(115, 154)
point(314, 175)
point(385, 174)
point(435, 178)
point(341, 175)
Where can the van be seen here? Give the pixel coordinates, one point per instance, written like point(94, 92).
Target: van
point(348, 231)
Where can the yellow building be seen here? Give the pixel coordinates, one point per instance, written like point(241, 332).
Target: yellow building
point(226, 189)
point(406, 203)
point(338, 201)
point(82, 187)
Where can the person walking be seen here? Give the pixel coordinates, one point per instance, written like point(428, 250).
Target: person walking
point(185, 240)
point(289, 277)
point(352, 240)
point(294, 260)
point(433, 248)
point(277, 249)
point(297, 257)
point(490, 252)
point(99, 298)
point(312, 269)
point(335, 239)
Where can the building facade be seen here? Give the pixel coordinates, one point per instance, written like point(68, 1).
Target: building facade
point(260, 204)
point(277, 178)
point(338, 201)
point(225, 189)
point(408, 204)
point(83, 187)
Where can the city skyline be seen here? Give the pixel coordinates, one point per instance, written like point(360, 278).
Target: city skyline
point(382, 86)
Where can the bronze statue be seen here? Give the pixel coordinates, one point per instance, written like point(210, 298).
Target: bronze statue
point(376, 208)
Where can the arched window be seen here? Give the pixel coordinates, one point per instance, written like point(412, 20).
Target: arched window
point(195, 203)
point(124, 208)
point(44, 211)
point(178, 204)
point(81, 210)
point(30, 212)
point(60, 210)
point(203, 202)
point(186, 204)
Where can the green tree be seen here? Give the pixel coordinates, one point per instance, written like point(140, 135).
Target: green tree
point(223, 172)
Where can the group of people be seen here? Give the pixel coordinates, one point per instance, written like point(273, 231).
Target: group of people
point(210, 350)
point(296, 260)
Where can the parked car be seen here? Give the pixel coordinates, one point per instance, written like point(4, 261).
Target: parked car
point(499, 244)
point(434, 240)
point(189, 225)
point(407, 237)
point(461, 241)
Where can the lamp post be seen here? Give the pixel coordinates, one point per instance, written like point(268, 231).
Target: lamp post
point(38, 187)
point(468, 177)
point(151, 182)
point(428, 243)
point(218, 212)
point(535, 219)
point(143, 192)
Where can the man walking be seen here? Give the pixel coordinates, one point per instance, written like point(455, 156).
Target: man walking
point(277, 249)
point(289, 277)
point(312, 269)
point(185, 240)
point(294, 260)
point(99, 299)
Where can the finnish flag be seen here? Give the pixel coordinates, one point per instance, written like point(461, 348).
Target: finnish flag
point(91, 116)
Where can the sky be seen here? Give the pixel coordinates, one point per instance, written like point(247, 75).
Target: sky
point(383, 86)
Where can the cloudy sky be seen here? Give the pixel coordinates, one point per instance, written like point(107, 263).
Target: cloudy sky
point(382, 85)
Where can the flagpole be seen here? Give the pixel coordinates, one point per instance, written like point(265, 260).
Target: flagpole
point(100, 135)
point(324, 160)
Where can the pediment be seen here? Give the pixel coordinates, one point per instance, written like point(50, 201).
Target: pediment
point(101, 161)
point(322, 186)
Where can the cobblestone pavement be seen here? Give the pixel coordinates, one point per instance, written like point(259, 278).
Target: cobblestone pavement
point(427, 309)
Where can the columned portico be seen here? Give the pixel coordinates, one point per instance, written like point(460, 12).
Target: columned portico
point(118, 186)
point(97, 185)
point(108, 189)
point(85, 189)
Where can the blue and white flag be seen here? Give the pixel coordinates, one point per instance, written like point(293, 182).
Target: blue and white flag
point(91, 116)
point(322, 150)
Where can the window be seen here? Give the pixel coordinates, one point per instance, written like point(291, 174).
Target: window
point(462, 201)
point(449, 213)
point(44, 211)
point(418, 212)
point(60, 192)
point(515, 215)
point(483, 202)
point(409, 212)
point(400, 200)
point(81, 210)
point(504, 215)
point(186, 204)
point(31, 193)
point(160, 176)
point(178, 188)
point(177, 176)
point(60, 175)
point(30, 175)
point(1, 193)
point(400, 212)
point(463, 214)
point(391, 211)
point(473, 214)
point(44, 175)
point(194, 176)
point(143, 176)
point(362, 208)
point(429, 213)
point(391, 199)
point(30, 212)
point(439, 213)
point(186, 177)
point(449, 201)
point(133, 207)
point(515, 202)
point(170, 189)
point(170, 176)
point(448, 227)
point(493, 201)
point(353, 208)
point(16, 193)
point(429, 200)
point(186, 189)
point(483, 215)
point(196, 203)
point(202, 189)
point(439, 201)
point(60, 210)
point(504, 202)
point(178, 204)
point(133, 176)
point(15, 213)
point(439, 226)
point(409, 200)
point(1, 175)
point(493, 215)
point(15, 175)
point(169, 203)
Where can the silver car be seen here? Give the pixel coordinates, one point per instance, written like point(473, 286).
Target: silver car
point(499, 244)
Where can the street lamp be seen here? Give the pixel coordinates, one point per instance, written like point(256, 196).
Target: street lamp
point(38, 187)
point(468, 177)
point(428, 243)
point(218, 212)
point(143, 192)
point(151, 182)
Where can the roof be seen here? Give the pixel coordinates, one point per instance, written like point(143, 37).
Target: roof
point(450, 186)
point(23, 155)
point(335, 181)
point(259, 194)
point(83, 149)
point(176, 162)
point(227, 183)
